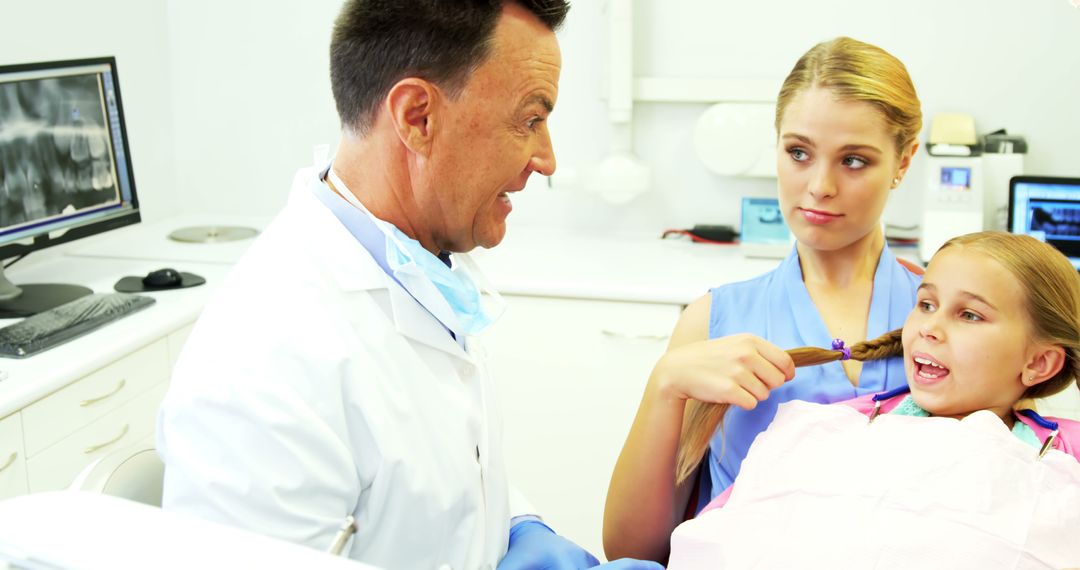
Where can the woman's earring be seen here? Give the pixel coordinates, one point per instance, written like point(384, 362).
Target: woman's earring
point(895, 182)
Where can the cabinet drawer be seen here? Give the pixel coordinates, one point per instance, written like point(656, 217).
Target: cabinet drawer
point(12, 457)
point(56, 467)
point(91, 397)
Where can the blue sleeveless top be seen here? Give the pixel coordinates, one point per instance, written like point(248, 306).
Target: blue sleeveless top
point(777, 307)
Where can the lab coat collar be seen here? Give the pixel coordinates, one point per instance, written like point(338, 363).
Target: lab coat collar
point(337, 244)
point(414, 321)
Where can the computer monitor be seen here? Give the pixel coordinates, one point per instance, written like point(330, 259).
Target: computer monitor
point(1049, 209)
point(65, 167)
point(763, 232)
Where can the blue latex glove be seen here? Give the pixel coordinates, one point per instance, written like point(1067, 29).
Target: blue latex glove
point(534, 546)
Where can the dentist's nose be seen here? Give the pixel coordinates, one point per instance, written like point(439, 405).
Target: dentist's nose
point(543, 160)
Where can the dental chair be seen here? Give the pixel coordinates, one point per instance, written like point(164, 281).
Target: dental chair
point(133, 472)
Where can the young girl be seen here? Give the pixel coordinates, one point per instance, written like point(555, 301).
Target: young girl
point(996, 325)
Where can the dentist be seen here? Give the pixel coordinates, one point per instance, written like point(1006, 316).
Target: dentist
point(335, 373)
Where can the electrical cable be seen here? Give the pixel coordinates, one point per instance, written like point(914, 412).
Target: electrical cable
point(694, 237)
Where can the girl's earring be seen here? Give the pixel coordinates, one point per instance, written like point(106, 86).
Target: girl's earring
point(895, 182)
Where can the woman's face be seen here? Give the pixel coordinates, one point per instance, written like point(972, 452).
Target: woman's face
point(836, 161)
point(968, 341)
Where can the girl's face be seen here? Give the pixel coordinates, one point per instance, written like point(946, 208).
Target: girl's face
point(836, 162)
point(967, 343)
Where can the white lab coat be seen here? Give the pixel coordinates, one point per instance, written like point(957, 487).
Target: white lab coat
point(314, 387)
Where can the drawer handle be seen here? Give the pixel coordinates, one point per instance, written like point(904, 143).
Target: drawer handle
point(94, 448)
point(617, 334)
point(10, 461)
point(92, 401)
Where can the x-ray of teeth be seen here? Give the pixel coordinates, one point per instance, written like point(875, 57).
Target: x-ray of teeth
point(55, 155)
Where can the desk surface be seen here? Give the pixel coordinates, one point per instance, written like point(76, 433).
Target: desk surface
point(637, 268)
point(30, 379)
point(530, 261)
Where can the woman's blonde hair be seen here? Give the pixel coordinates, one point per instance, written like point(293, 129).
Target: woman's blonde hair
point(858, 71)
point(1052, 295)
point(702, 419)
point(1052, 298)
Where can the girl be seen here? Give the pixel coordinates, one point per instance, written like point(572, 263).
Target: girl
point(847, 118)
point(996, 325)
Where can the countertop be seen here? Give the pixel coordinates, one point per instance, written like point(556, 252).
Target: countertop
point(530, 261)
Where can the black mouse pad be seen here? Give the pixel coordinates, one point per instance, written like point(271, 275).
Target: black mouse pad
point(134, 284)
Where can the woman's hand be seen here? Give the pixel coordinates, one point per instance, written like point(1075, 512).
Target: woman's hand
point(739, 369)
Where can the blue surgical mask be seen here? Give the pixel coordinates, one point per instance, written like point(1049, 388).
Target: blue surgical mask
point(424, 276)
point(407, 258)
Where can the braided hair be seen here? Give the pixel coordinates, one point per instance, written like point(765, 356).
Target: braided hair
point(702, 418)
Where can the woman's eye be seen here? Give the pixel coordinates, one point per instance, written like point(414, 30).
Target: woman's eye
point(926, 306)
point(854, 162)
point(798, 154)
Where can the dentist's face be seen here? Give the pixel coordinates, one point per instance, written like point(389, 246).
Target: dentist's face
point(968, 339)
point(496, 133)
point(836, 162)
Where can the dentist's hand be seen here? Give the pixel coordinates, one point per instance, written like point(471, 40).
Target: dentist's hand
point(739, 369)
point(534, 546)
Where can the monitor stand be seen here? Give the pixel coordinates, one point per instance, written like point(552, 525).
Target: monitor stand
point(25, 300)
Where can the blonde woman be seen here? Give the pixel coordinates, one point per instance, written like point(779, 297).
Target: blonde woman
point(847, 121)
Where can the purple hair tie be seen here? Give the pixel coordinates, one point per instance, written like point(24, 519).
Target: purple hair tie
point(838, 344)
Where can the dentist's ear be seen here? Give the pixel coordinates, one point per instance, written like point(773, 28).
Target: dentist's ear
point(411, 106)
point(1044, 364)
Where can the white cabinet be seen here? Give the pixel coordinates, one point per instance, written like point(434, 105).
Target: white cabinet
point(93, 396)
point(70, 428)
point(56, 467)
point(12, 457)
point(570, 374)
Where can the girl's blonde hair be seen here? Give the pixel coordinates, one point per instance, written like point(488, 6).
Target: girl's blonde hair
point(858, 71)
point(1052, 298)
point(1052, 295)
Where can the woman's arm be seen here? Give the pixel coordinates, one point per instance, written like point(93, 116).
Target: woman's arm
point(643, 504)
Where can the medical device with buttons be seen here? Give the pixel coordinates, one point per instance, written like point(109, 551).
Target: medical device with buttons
point(952, 202)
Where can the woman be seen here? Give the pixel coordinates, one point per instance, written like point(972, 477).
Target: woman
point(847, 119)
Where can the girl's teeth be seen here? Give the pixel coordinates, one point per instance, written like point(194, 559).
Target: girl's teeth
point(926, 362)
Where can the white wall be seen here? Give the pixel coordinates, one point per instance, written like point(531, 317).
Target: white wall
point(1009, 63)
point(224, 99)
point(252, 95)
point(135, 32)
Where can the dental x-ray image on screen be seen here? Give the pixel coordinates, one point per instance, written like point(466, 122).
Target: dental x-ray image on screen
point(1047, 208)
point(55, 156)
point(65, 168)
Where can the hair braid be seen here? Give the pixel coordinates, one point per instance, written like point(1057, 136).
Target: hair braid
point(701, 419)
